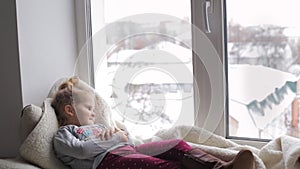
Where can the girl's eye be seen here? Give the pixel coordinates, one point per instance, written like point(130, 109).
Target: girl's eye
point(91, 108)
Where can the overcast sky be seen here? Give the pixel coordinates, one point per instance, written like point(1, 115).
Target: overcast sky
point(123, 8)
point(245, 12)
point(276, 12)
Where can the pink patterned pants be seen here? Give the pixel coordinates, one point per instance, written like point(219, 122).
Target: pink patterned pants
point(165, 154)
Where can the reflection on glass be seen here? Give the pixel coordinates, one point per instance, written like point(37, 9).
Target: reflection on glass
point(263, 68)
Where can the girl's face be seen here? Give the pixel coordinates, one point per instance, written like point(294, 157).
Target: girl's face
point(84, 109)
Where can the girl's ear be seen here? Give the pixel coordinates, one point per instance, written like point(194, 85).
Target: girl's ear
point(69, 110)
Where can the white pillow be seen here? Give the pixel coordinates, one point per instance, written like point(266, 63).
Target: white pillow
point(38, 147)
point(30, 117)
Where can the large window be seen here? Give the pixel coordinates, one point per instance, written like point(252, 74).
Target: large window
point(263, 68)
point(141, 50)
point(143, 62)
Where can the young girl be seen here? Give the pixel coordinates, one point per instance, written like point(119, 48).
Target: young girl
point(81, 144)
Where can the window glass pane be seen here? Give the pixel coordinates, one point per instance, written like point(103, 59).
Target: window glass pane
point(137, 75)
point(263, 68)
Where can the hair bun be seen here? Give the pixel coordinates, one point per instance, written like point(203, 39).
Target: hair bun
point(66, 85)
point(74, 80)
point(69, 84)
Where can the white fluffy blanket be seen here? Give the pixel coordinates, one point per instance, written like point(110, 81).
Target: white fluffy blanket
point(281, 153)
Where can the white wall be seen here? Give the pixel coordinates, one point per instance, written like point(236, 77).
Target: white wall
point(45, 52)
point(47, 42)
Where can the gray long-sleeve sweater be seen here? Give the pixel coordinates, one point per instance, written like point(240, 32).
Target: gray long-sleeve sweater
point(79, 147)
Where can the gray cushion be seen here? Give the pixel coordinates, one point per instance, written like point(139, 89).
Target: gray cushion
point(30, 116)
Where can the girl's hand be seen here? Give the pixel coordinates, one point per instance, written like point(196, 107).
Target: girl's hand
point(106, 134)
point(123, 136)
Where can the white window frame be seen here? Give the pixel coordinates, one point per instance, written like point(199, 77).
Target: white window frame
point(217, 21)
point(84, 64)
point(203, 101)
point(200, 72)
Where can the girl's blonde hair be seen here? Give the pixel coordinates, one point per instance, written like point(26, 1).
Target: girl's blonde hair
point(63, 97)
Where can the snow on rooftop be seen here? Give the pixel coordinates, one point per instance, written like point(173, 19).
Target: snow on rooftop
point(255, 84)
point(248, 82)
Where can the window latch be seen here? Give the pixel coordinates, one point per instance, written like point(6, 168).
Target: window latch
point(208, 9)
